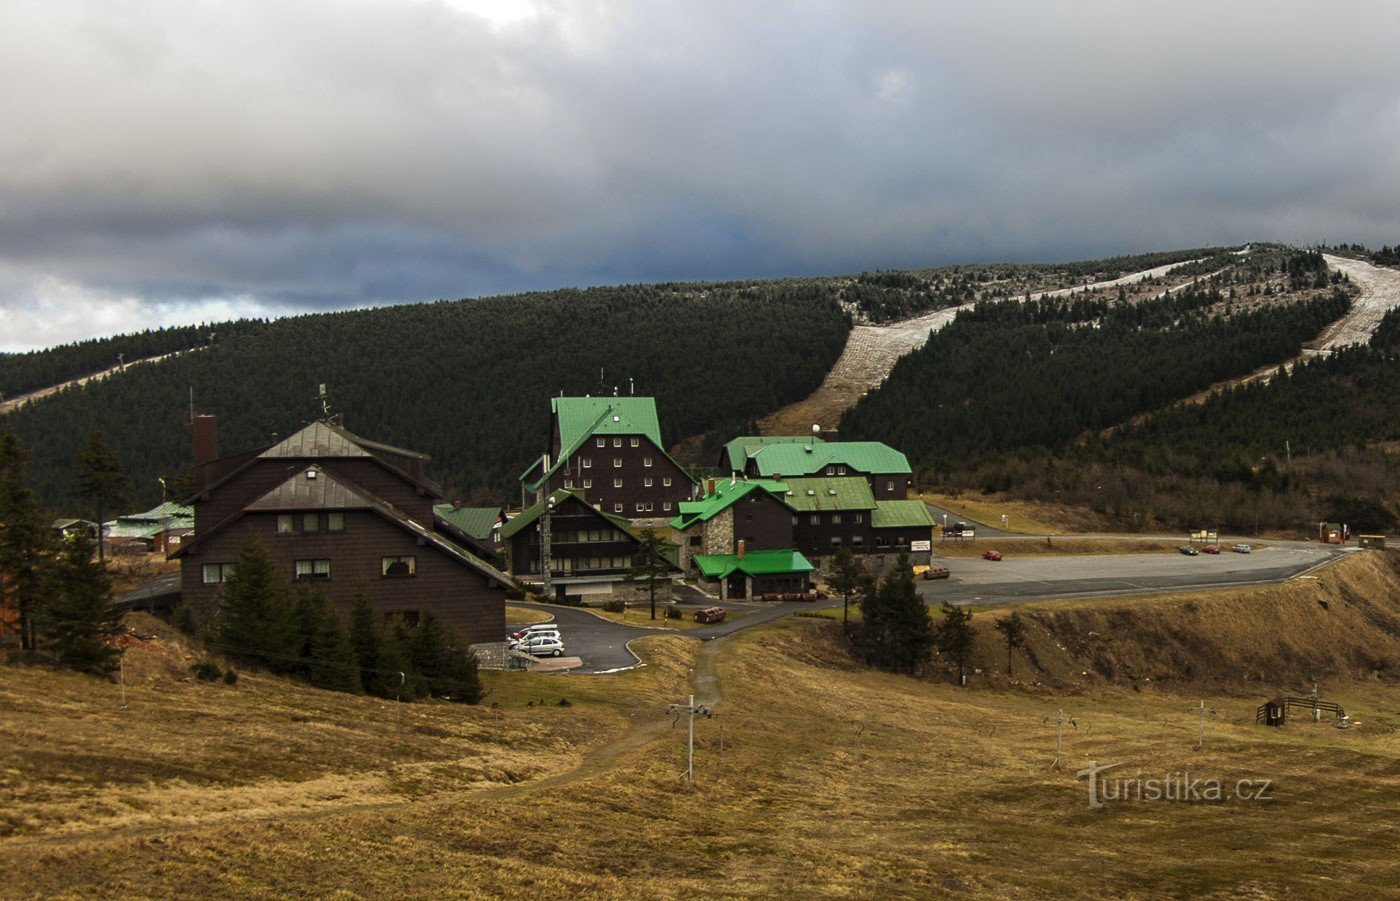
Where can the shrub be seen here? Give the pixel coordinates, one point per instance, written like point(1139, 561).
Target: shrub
point(615, 606)
point(205, 671)
point(673, 612)
point(230, 677)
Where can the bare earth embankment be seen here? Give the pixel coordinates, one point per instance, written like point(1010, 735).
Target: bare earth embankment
point(16, 402)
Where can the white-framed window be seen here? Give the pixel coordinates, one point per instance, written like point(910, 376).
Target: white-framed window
point(587, 462)
point(588, 483)
point(816, 519)
point(640, 508)
point(647, 482)
point(617, 508)
point(889, 485)
point(617, 483)
point(568, 483)
point(666, 481)
point(601, 442)
point(840, 470)
point(666, 506)
point(617, 442)
point(651, 507)
point(286, 524)
point(636, 442)
point(617, 462)
point(646, 461)
point(311, 522)
point(835, 540)
point(858, 541)
point(794, 520)
point(836, 519)
point(859, 517)
point(216, 572)
point(398, 567)
point(335, 522)
point(307, 570)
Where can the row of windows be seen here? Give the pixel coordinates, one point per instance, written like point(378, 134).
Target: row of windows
point(583, 535)
point(647, 482)
point(310, 570)
point(310, 522)
point(816, 519)
point(617, 442)
point(587, 462)
point(582, 564)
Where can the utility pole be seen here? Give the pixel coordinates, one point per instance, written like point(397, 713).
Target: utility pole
point(545, 550)
point(1059, 719)
point(691, 711)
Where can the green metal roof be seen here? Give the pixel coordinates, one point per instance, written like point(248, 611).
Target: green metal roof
point(740, 449)
point(475, 521)
point(753, 563)
point(532, 513)
point(580, 417)
point(726, 493)
point(901, 514)
point(794, 459)
point(829, 493)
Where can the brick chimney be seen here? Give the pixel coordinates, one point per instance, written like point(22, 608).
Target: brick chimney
point(740, 550)
point(204, 428)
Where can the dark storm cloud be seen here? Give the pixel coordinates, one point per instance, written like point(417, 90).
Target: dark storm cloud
point(165, 161)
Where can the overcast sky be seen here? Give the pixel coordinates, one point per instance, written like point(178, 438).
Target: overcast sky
point(172, 161)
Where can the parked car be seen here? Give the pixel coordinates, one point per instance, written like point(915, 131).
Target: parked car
point(991, 555)
point(936, 572)
point(1242, 549)
point(517, 642)
point(1211, 549)
point(709, 615)
point(1188, 550)
point(534, 629)
point(542, 645)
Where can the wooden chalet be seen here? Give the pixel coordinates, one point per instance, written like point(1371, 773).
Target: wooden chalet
point(762, 536)
point(591, 552)
point(350, 515)
point(610, 450)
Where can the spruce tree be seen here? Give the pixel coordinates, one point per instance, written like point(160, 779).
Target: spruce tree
point(427, 649)
point(79, 620)
point(329, 656)
point(954, 636)
point(26, 544)
point(366, 636)
point(257, 620)
point(848, 578)
point(911, 629)
point(1014, 628)
point(99, 480)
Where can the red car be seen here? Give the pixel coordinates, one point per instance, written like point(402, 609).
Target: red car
point(1211, 549)
point(991, 555)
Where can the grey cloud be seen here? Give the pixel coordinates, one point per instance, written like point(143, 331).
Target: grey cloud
point(307, 155)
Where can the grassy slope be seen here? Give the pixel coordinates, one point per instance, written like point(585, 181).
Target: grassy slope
point(952, 790)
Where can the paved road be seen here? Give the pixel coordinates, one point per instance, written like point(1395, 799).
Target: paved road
point(942, 517)
point(977, 581)
point(602, 645)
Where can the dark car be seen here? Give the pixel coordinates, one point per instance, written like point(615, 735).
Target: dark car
point(1188, 550)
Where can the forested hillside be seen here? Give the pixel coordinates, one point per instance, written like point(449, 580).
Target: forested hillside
point(25, 372)
point(467, 382)
point(1038, 374)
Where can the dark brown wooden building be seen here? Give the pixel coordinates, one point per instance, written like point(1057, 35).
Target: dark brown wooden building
point(610, 449)
point(343, 512)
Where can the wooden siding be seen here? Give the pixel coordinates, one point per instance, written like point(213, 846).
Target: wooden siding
point(456, 594)
point(633, 471)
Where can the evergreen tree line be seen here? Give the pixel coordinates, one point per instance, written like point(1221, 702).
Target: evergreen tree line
point(1004, 376)
point(468, 382)
point(1295, 449)
point(21, 373)
point(53, 592)
point(264, 620)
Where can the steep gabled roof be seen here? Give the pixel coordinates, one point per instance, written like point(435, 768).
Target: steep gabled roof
point(753, 563)
point(580, 417)
point(901, 514)
point(793, 458)
point(833, 493)
point(326, 492)
point(474, 521)
point(534, 512)
point(725, 495)
point(740, 449)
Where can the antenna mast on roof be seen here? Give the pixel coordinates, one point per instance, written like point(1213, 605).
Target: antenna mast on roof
point(325, 403)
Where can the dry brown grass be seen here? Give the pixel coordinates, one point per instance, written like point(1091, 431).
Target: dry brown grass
point(1030, 517)
point(951, 792)
point(1057, 546)
point(524, 616)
